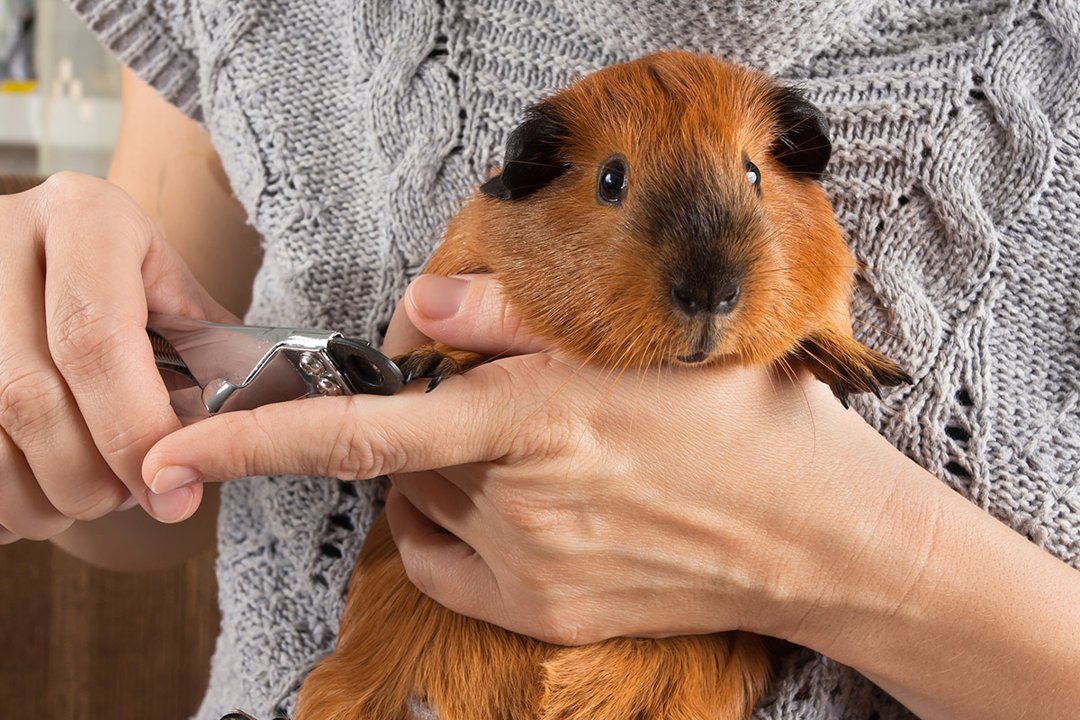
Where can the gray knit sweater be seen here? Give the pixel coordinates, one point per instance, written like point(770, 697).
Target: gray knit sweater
point(351, 129)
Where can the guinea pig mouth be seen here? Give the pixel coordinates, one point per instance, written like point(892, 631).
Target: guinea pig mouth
point(699, 356)
point(701, 348)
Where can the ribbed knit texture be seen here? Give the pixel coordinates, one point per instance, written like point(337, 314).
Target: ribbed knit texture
point(351, 129)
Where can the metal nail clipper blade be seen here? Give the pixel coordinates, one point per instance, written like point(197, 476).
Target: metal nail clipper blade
point(210, 368)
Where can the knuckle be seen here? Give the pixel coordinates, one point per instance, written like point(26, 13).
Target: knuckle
point(533, 519)
point(552, 625)
point(510, 323)
point(361, 451)
point(40, 527)
point(505, 320)
point(81, 335)
point(350, 457)
point(126, 439)
point(419, 571)
point(546, 428)
point(550, 431)
point(254, 440)
point(92, 503)
point(67, 185)
point(74, 195)
point(139, 432)
point(30, 399)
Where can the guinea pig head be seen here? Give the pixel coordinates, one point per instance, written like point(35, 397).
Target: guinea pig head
point(668, 210)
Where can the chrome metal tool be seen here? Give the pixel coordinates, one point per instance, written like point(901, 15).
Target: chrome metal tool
point(212, 368)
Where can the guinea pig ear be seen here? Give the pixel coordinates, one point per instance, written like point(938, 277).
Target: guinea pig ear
point(532, 156)
point(803, 144)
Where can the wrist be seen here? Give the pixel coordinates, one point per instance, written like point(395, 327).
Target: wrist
point(854, 538)
point(937, 602)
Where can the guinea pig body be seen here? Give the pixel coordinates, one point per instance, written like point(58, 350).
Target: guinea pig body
point(661, 211)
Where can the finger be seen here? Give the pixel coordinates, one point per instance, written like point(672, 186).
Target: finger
point(349, 438)
point(469, 312)
point(439, 500)
point(37, 410)
point(25, 511)
point(103, 258)
point(439, 564)
point(401, 334)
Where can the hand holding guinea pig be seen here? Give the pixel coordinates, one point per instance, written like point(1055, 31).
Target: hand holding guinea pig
point(576, 501)
point(640, 503)
point(871, 561)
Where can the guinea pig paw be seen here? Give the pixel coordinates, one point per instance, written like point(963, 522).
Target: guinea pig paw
point(437, 362)
point(848, 367)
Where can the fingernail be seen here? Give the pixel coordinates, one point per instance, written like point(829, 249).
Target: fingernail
point(171, 506)
point(438, 297)
point(170, 478)
point(131, 502)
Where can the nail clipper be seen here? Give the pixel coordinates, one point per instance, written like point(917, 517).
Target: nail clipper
point(210, 368)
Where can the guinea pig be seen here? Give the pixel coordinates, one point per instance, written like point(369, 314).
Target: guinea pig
point(664, 210)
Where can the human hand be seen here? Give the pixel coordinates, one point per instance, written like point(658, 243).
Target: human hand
point(572, 502)
point(81, 400)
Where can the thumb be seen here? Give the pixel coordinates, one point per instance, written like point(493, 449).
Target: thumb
point(350, 438)
point(469, 312)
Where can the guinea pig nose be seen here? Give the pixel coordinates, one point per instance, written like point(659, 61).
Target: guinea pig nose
point(692, 300)
point(688, 300)
point(726, 297)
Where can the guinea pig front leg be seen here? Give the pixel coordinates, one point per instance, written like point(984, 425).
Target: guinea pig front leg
point(436, 361)
point(847, 366)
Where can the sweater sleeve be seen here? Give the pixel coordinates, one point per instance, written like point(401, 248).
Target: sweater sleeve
point(155, 39)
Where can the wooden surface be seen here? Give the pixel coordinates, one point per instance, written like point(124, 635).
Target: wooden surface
point(79, 643)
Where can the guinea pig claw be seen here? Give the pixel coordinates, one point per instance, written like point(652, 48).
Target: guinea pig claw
point(446, 367)
point(427, 362)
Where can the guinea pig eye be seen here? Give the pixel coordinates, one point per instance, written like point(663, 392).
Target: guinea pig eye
point(612, 181)
point(753, 175)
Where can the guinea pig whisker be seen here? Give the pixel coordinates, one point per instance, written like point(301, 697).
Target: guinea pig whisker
point(804, 267)
point(801, 148)
point(785, 365)
point(549, 165)
point(623, 363)
point(866, 324)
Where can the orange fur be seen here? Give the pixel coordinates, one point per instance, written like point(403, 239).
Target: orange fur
point(590, 278)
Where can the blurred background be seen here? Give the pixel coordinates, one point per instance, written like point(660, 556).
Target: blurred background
point(59, 92)
point(77, 642)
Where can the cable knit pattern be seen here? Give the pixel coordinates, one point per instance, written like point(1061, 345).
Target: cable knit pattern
point(351, 130)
